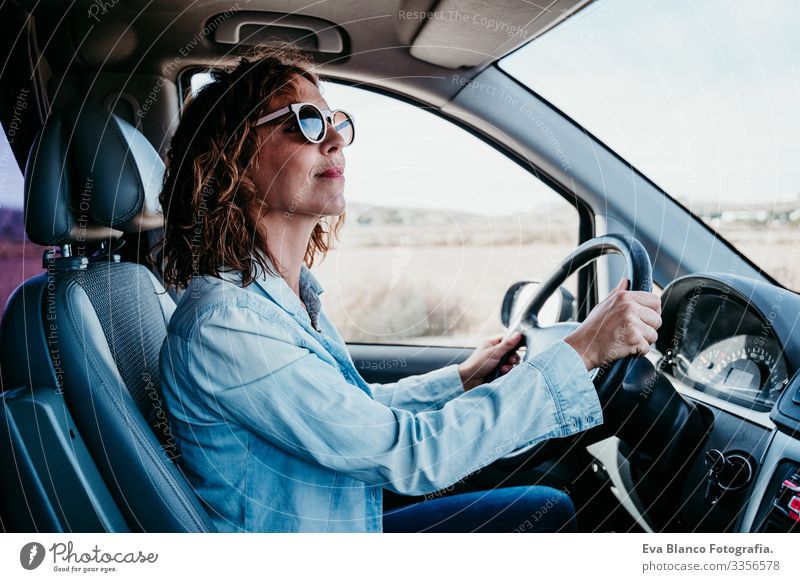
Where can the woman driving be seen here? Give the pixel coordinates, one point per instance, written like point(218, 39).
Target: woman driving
point(277, 429)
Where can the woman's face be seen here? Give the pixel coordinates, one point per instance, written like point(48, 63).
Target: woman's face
point(295, 176)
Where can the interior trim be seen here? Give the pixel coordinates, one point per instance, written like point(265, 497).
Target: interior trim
point(329, 39)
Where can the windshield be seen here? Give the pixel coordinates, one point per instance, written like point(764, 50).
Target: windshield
point(703, 98)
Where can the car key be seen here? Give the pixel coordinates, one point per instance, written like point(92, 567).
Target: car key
point(715, 461)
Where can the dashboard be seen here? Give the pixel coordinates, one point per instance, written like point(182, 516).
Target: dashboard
point(729, 348)
point(720, 344)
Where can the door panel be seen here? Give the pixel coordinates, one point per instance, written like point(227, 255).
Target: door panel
point(388, 363)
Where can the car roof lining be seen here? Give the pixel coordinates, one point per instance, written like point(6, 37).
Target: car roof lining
point(384, 47)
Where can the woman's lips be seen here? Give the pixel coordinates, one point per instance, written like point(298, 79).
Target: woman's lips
point(335, 173)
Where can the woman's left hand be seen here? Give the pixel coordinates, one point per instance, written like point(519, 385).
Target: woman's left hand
point(486, 357)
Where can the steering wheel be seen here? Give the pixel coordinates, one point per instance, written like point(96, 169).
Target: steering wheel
point(608, 378)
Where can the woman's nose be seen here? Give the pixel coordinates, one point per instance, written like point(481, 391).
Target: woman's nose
point(333, 139)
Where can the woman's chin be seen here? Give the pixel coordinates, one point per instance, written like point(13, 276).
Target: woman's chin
point(335, 205)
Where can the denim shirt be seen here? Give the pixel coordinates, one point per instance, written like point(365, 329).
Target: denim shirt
point(280, 433)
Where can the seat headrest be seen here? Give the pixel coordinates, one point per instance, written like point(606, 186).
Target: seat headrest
point(90, 176)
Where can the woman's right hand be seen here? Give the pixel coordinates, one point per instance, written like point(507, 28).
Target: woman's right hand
point(623, 324)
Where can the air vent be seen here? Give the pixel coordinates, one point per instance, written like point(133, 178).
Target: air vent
point(786, 415)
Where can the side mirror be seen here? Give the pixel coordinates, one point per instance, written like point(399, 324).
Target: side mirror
point(560, 306)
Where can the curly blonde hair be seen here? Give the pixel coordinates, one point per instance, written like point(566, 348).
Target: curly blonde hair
point(210, 205)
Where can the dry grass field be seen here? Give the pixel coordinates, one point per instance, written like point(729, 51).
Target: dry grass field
point(399, 284)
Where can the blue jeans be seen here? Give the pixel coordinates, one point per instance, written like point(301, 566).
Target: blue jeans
point(525, 509)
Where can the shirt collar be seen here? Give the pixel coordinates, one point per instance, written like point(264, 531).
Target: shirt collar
point(276, 288)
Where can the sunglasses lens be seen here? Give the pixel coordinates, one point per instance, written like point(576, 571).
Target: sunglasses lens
point(344, 125)
point(311, 123)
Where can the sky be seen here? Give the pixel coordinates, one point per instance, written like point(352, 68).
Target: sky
point(406, 156)
point(703, 97)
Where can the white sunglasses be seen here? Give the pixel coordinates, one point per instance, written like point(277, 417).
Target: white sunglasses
point(312, 121)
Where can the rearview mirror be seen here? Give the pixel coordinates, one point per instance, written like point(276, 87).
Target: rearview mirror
point(560, 306)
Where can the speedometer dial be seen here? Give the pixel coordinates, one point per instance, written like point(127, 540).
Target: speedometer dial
point(744, 366)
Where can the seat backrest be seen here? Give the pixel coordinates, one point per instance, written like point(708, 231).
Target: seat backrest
point(90, 177)
point(132, 312)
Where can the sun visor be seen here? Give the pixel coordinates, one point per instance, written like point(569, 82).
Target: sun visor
point(468, 33)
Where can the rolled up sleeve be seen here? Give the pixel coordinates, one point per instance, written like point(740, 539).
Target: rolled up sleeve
point(249, 371)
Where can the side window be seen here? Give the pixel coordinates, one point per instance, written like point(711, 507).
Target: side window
point(20, 259)
point(438, 225)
